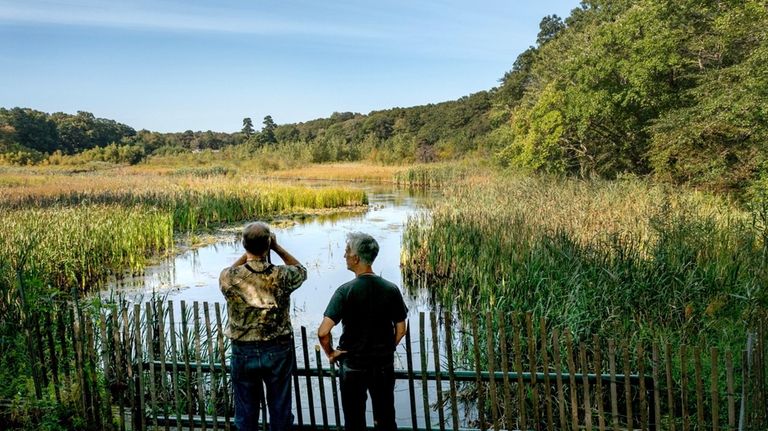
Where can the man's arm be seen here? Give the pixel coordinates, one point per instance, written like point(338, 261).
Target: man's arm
point(283, 253)
point(399, 332)
point(324, 335)
point(241, 260)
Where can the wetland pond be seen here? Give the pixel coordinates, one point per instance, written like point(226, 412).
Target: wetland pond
point(318, 242)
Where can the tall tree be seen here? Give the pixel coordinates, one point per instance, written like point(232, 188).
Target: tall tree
point(247, 127)
point(267, 135)
point(549, 27)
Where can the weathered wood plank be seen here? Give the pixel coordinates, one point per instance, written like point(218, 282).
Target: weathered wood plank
point(224, 370)
point(424, 382)
point(559, 378)
point(201, 410)
point(478, 381)
point(598, 368)
point(572, 381)
point(212, 362)
point(532, 361)
point(670, 386)
point(519, 369)
point(310, 392)
point(139, 372)
point(321, 387)
point(489, 336)
point(547, 383)
point(451, 377)
point(627, 385)
point(614, 389)
point(174, 367)
point(585, 386)
point(714, 390)
point(163, 371)
point(150, 321)
point(505, 369)
point(643, 396)
point(438, 371)
point(185, 347)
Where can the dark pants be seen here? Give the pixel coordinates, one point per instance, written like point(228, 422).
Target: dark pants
point(270, 363)
point(380, 383)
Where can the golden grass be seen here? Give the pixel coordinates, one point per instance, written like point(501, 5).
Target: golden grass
point(358, 171)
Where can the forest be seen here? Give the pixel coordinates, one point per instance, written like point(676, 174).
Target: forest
point(673, 90)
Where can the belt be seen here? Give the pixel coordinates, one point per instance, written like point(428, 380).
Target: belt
point(278, 339)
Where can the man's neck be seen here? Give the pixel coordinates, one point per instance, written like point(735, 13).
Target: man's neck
point(364, 270)
point(255, 258)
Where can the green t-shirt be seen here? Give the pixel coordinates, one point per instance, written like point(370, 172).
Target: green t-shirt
point(368, 308)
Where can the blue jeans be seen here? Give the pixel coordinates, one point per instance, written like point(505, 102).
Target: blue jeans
point(268, 363)
point(355, 384)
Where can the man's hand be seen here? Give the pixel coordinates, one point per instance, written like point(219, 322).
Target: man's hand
point(335, 355)
point(272, 241)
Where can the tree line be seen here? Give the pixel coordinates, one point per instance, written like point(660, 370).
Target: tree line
point(28, 136)
point(673, 89)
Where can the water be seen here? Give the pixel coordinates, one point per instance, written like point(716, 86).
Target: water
point(319, 244)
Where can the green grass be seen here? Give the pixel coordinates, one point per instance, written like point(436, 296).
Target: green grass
point(77, 236)
point(618, 259)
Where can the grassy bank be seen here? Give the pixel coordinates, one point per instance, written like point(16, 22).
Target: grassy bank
point(619, 259)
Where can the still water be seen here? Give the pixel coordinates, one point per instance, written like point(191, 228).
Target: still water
point(319, 244)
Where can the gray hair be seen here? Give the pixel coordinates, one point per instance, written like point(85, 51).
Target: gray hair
point(256, 237)
point(363, 246)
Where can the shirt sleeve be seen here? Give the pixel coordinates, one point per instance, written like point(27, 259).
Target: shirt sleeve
point(335, 308)
point(225, 280)
point(292, 276)
point(399, 309)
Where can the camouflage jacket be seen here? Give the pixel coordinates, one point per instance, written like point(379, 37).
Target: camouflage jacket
point(258, 299)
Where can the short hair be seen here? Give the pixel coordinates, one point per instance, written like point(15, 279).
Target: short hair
point(363, 246)
point(256, 238)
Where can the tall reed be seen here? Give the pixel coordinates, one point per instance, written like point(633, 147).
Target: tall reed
point(621, 259)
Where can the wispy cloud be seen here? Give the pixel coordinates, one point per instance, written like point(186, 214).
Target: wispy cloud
point(165, 16)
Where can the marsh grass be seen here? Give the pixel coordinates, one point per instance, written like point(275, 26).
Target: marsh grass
point(355, 172)
point(441, 174)
point(79, 229)
point(618, 259)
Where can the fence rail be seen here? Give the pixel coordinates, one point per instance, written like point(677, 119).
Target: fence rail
point(162, 365)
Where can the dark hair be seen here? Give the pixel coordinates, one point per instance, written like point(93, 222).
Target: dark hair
point(256, 238)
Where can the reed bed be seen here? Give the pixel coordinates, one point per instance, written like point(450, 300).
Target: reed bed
point(339, 172)
point(80, 246)
point(439, 174)
point(72, 231)
point(617, 259)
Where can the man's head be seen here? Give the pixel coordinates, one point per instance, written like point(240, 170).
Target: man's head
point(361, 249)
point(256, 238)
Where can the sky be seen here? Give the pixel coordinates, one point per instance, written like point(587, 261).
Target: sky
point(175, 65)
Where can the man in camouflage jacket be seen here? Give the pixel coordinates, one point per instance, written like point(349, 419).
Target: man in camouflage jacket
point(258, 300)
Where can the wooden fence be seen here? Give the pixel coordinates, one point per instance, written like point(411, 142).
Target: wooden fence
point(162, 365)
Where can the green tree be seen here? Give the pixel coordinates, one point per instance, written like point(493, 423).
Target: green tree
point(549, 27)
point(267, 135)
point(247, 127)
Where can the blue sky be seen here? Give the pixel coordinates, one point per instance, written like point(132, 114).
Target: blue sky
point(173, 65)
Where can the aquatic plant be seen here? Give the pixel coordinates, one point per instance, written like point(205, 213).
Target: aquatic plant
point(621, 259)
